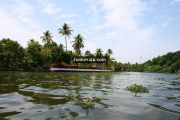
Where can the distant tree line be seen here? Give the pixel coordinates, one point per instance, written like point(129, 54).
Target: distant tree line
point(169, 63)
point(39, 57)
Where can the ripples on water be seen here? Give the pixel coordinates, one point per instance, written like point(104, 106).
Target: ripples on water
point(44, 96)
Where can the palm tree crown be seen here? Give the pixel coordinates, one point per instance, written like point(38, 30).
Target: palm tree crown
point(109, 52)
point(78, 44)
point(66, 31)
point(99, 52)
point(87, 53)
point(47, 37)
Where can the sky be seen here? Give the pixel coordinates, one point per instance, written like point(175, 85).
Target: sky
point(136, 30)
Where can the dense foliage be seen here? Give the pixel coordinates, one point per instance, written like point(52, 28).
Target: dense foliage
point(11, 54)
point(169, 63)
point(166, 63)
point(39, 57)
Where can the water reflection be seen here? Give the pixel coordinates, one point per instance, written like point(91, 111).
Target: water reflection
point(58, 95)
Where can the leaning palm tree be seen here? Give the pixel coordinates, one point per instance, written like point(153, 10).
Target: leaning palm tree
point(78, 44)
point(47, 37)
point(66, 31)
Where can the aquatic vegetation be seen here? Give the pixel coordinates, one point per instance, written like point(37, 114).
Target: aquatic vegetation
point(137, 89)
point(88, 103)
point(71, 97)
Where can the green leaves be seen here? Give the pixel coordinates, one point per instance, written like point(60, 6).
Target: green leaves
point(66, 31)
point(11, 54)
point(47, 37)
point(88, 103)
point(78, 44)
point(137, 89)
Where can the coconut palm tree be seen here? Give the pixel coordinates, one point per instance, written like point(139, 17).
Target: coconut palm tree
point(47, 37)
point(78, 44)
point(109, 52)
point(66, 31)
point(87, 53)
point(99, 52)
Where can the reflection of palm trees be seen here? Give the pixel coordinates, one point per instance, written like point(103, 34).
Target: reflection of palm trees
point(102, 80)
point(42, 98)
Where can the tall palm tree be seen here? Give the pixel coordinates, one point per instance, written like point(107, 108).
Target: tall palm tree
point(66, 31)
point(99, 52)
point(108, 58)
point(78, 44)
point(47, 37)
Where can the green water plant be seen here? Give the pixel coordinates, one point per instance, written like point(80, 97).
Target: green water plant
point(137, 89)
point(88, 103)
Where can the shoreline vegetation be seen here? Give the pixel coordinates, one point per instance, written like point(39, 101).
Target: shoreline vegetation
point(38, 57)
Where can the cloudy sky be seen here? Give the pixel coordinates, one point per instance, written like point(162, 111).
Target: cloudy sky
point(136, 30)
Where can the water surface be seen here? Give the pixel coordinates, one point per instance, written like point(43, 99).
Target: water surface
point(44, 96)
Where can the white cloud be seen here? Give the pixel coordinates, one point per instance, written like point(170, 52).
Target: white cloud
point(24, 13)
point(18, 24)
point(119, 28)
point(49, 8)
point(55, 11)
point(123, 14)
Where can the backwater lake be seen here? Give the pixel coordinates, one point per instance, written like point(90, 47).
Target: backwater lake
point(45, 96)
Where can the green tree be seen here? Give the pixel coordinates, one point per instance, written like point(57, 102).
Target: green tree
point(108, 58)
point(11, 54)
point(109, 52)
point(78, 44)
point(98, 52)
point(47, 37)
point(87, 53)
point(33, 57)
point(66, 31)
